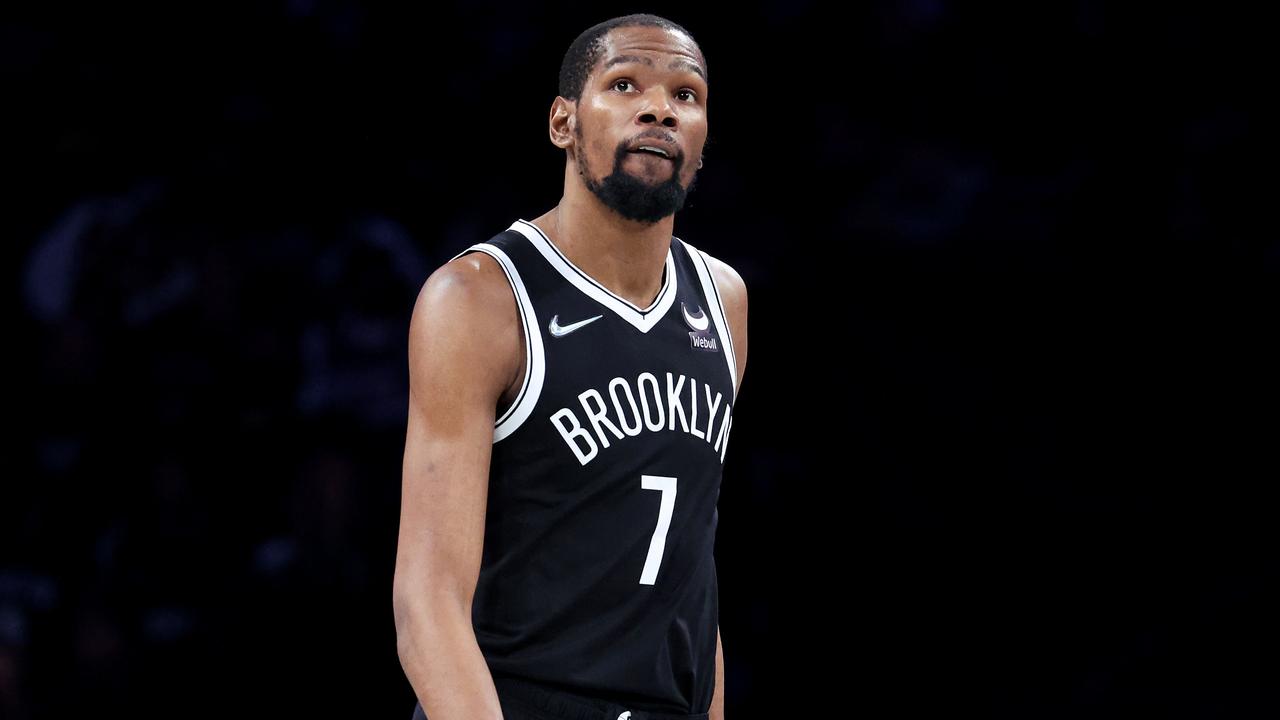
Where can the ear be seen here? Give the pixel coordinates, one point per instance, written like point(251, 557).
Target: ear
point(562, 122)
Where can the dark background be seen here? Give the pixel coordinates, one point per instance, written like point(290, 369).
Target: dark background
point(1007, 435)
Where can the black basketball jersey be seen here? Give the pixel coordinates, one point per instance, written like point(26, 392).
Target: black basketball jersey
point(597, 573)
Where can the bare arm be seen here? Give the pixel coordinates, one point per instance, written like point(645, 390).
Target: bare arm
point(733, 291)
point(717, 697)
point(455, 381)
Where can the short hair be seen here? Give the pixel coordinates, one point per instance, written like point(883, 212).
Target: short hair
point(585, 51)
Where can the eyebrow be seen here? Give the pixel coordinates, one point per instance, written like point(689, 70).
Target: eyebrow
point(675, 64)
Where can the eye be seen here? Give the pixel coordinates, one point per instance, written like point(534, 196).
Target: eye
point(693, 96)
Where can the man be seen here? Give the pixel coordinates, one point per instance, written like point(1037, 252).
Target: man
point(571, 391)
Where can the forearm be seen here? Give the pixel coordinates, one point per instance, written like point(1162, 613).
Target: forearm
point(717, 697)
point(442, 660)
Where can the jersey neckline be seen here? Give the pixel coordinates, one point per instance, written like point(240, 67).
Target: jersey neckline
point(642, 318)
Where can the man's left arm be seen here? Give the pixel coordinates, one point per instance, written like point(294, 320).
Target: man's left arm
point(717, 697)
point(733, 291)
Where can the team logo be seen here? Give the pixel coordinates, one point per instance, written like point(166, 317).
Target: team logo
point(626, 715)
point(699, 322)
point(701, 337)
point(559, 330)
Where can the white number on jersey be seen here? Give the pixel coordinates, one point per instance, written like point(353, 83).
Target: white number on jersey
point(659, 541)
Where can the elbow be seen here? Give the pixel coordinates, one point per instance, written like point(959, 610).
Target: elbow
point(400, 613)
point(420, 613)
point(403, 612)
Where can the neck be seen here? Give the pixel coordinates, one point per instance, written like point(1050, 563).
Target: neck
point(626, 256)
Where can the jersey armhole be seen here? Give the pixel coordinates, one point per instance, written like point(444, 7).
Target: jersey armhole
point(702, 264)
point(534, 358)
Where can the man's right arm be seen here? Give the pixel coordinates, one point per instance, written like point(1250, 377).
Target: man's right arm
point(464, 346)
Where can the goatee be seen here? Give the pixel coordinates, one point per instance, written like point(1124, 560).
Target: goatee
point(635, 198)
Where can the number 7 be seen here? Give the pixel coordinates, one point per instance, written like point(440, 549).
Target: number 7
point(658, 543)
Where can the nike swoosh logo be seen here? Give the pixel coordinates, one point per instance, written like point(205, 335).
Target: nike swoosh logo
point(559, 330)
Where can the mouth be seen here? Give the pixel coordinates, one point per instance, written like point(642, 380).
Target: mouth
point(655, 150)
point(654, 157)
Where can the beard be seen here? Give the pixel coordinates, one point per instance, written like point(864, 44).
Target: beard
point(633, 197)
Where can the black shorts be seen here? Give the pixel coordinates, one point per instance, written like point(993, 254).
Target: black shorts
point(525, 700)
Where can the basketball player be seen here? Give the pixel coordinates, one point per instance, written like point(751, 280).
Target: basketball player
point(572, 381)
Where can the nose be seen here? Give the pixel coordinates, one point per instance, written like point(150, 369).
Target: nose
point(657, 108)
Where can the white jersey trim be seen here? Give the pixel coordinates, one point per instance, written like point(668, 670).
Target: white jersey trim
point(712, 292)
point(643, 319)
point(535, 365)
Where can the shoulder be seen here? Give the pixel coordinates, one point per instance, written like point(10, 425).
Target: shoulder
point(465, 298)
point(470, 284)
point(733, 289)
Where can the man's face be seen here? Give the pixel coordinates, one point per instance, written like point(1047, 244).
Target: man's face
point(646, 89)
